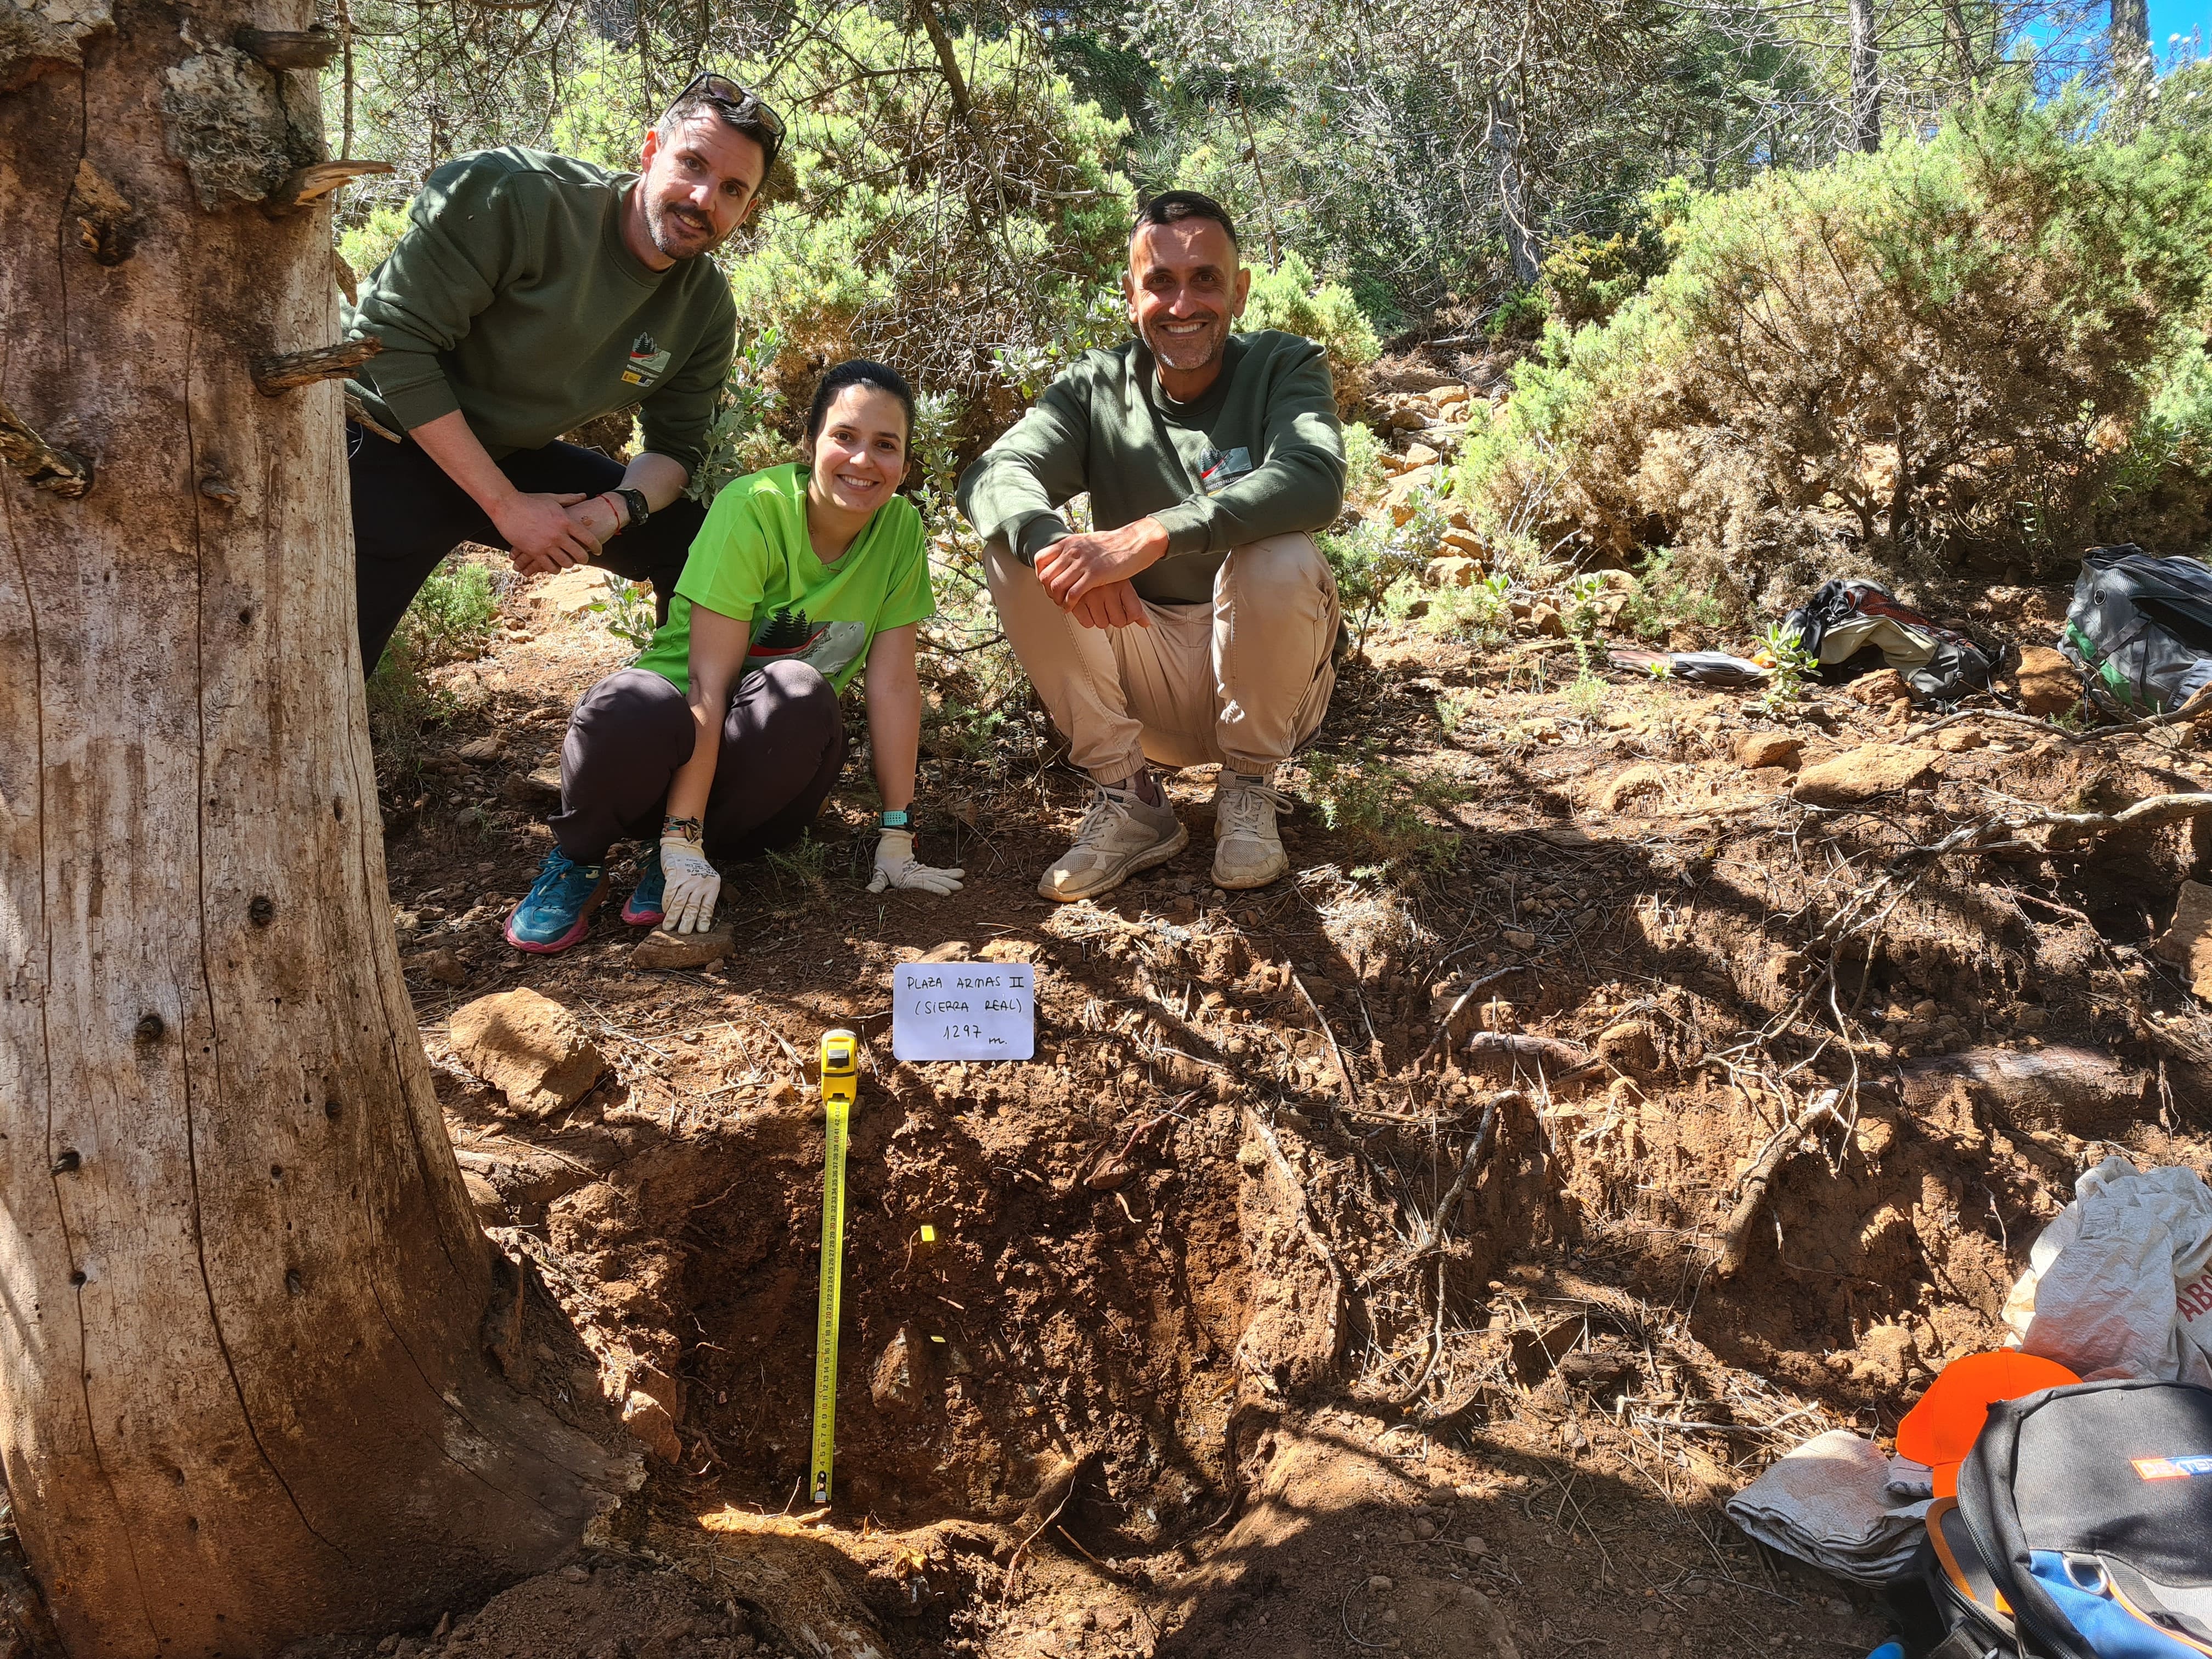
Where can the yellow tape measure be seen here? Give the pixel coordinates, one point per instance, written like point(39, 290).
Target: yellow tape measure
point(840, 1085)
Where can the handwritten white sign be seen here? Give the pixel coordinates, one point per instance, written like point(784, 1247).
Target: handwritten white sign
point(963, 1010)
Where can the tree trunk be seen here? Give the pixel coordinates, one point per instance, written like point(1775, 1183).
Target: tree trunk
point(245, 1391)
point(1866, 79)
point(1504, 141)
point(2131, 38)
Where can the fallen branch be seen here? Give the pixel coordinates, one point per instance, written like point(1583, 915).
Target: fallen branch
point(1444, 1033)
point(2198, 705)
point(1343, 1072)
point(1539, 1060)
point(37, 463)
point(1786, 1144)
point(1433, 1234)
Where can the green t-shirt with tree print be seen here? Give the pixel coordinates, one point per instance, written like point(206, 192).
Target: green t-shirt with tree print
point(752, 561)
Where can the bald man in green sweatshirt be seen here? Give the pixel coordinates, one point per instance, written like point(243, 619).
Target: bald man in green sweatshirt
point(533, 293)
point(1196, 623)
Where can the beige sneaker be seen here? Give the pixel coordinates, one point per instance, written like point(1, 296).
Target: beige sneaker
point(1122, 834)
point(1248, 850)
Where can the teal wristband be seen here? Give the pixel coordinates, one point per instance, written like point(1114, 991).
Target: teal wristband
point(900, 819)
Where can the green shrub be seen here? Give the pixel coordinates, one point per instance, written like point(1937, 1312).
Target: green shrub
point(1287, 297)
point(927, 239)
point(1587, 278)
point(1879, 365)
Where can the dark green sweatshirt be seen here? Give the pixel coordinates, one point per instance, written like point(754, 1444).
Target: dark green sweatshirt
point(513, 299)
point(1260, 454)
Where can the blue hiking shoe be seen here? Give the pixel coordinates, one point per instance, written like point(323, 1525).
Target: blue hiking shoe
point(642, 908)
point(557, 909)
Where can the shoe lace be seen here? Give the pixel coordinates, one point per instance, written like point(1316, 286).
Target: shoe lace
point(1242, 808)
point(1099, 821)
point(560, 870)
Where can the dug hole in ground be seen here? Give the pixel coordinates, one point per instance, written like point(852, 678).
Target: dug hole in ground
point(1408, 1258)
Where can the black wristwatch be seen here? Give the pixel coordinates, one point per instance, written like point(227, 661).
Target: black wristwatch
point(634, 500)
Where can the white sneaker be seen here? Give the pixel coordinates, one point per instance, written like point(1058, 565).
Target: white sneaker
point(1249, 850)
point(1122, 834)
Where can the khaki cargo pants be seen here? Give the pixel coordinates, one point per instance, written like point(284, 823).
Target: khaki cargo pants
point(1241, 681)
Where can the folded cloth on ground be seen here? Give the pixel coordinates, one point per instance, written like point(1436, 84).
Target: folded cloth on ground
point(1829, 1502)
point(2120, 1283)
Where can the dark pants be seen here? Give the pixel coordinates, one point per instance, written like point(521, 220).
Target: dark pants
point(783, 744)
point(407, 514)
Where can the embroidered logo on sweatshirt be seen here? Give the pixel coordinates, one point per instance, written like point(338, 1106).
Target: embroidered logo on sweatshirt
point(647, 361)
point(1219, 468)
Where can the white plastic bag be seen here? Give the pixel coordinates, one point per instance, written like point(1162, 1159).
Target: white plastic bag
point(2120, 1283)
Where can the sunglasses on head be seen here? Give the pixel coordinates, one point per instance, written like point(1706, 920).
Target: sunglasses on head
point(745, 104)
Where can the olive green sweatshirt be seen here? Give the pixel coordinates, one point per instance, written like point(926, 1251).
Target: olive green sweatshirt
point(512, 298)
point(1259, 454)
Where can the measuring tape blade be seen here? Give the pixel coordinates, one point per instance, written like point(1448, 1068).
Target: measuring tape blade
point(837, 1091)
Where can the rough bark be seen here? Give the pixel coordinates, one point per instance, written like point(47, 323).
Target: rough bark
point(245, 1391)
point(1866, 79)
point(1503, 139)
point(2131, 38)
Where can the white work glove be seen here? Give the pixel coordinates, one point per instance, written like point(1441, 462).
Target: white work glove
point(896, 867)
point(687, 904)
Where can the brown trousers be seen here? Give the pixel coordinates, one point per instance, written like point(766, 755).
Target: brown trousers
point(1242, 681)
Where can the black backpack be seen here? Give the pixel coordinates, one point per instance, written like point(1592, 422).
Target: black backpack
point(2140, 629)
point(2082, 1530)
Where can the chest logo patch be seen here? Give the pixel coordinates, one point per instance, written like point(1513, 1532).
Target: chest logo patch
point(1219, 468)
point(647, 361)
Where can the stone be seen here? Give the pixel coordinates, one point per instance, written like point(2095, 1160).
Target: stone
point(1379, 1584)
point(953, 950)
point(662, 949)
point(1444, 1618)
point(2048, 684)
point(1630, 1047)
point(480, 749)
point(1464, 541)
point(1762, 749)
point(900, 1383)
point(1475, 1544)
point(1424, 1529)
point(540, 786)
point(1453, 572)
point(1861, 774)
point(2187, 943)
point(1956, 739)
point(529, 1048)
point(1517, 940)
point(1634, 784)
point(647, 1419)
point(484, 1200)
point(444, 966)
point(1420, 455)
point(1879, 689)
point(1547, 622)
point(1404, 490)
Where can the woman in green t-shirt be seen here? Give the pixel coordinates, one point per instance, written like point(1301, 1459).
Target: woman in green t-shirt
point(724, 737)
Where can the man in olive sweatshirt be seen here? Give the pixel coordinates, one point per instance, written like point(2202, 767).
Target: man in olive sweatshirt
point(1196, 623)
point(533, 293)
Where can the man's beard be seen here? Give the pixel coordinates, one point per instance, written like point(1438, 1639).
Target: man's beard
point(671, 227)
point(1180, 354)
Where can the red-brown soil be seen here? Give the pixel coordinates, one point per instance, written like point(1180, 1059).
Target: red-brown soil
point(1185, 1371)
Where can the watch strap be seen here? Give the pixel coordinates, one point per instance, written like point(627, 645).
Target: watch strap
point(634, 499)
point(898, 819)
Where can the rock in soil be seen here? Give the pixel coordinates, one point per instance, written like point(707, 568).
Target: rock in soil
point(648, 1419)
point(1876, 768)
point(661, 949)
point(1879, 689)
point(2048, 684)
point(2188, 942)
point(529, 1048)
point(1770, 749)
point(901, 1379)
point(444, 966)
